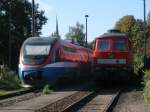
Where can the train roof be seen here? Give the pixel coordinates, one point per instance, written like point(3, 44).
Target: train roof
point(39, 40)
point(66, 42)
point(112, 33)
point(49, 40)
point(105, 35)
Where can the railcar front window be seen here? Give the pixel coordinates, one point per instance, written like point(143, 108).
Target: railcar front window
point(35, 54)
point(119, 45)
point(37, 49)
point(103, 44)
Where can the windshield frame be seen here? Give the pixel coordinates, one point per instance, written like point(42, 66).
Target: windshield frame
point(39, 41)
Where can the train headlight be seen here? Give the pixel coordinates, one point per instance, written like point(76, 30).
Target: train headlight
point(34, 75)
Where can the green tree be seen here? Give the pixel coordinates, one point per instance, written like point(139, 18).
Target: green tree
point(148, 25)
point(125, 24)
point(148, 20)
point(90, 45)
point(76, 33)
point(134, 30)
point(21, 11)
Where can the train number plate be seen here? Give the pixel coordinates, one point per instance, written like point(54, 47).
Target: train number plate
point(111, 61)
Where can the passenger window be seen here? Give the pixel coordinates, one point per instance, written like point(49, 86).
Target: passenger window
point(69, 49)
point(103, 44)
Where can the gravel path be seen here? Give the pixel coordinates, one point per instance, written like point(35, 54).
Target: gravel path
point(131, 102)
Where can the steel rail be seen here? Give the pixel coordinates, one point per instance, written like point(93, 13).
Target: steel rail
point(95, 102)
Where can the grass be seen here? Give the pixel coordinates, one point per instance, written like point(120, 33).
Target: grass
point(6, 92)
point(8, 81)
point(2, 93)
point(147, 87)
point(147, 91)
point(47, 89)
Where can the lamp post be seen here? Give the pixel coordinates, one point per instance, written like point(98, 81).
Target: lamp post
point(145, 57)
point(33, 18)
point(10, 25)
point(86, 16)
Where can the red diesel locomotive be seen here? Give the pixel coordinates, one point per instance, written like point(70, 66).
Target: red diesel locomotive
point(112, 52)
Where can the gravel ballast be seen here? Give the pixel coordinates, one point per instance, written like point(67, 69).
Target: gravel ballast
point(132, 101)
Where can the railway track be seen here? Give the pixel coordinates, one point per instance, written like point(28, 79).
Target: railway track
point(54, 102)
point(18, 96)
point(84, 100)
point(16, 93)
point(66, 102)
point(98, 101)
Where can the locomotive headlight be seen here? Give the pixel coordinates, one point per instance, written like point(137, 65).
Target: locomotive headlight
point(33, 75)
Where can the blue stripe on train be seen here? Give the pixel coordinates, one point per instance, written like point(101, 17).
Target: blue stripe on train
point(49, 74)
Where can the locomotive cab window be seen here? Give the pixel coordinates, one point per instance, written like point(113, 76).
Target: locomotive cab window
point(119, 44)
point(103, 44)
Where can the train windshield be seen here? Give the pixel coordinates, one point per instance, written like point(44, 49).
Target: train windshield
point(36, 50)
point(103, 44)
point(119, 44)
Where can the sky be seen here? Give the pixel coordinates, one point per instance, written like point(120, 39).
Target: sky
point(103, 14)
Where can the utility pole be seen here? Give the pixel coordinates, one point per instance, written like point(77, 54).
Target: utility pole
point(145, 56)
point(86, 16)
point(33, 18)
point(10, 25)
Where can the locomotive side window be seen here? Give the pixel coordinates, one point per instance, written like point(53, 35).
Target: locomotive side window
point(119, 45)
point(69, 49)
point(103, 44)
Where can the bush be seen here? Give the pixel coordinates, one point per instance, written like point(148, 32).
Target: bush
point(47, 89)
point(138, 63)
point(9, 80)
point(147, 92)
point(147, 86)
point(148, 61)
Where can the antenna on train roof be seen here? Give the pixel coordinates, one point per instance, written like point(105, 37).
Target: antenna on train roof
point(113, 31)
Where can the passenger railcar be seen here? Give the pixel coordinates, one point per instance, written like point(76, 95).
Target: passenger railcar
point(112, 53)
point(48, 60)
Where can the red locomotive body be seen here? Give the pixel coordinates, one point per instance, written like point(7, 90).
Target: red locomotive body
point(112, 52)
